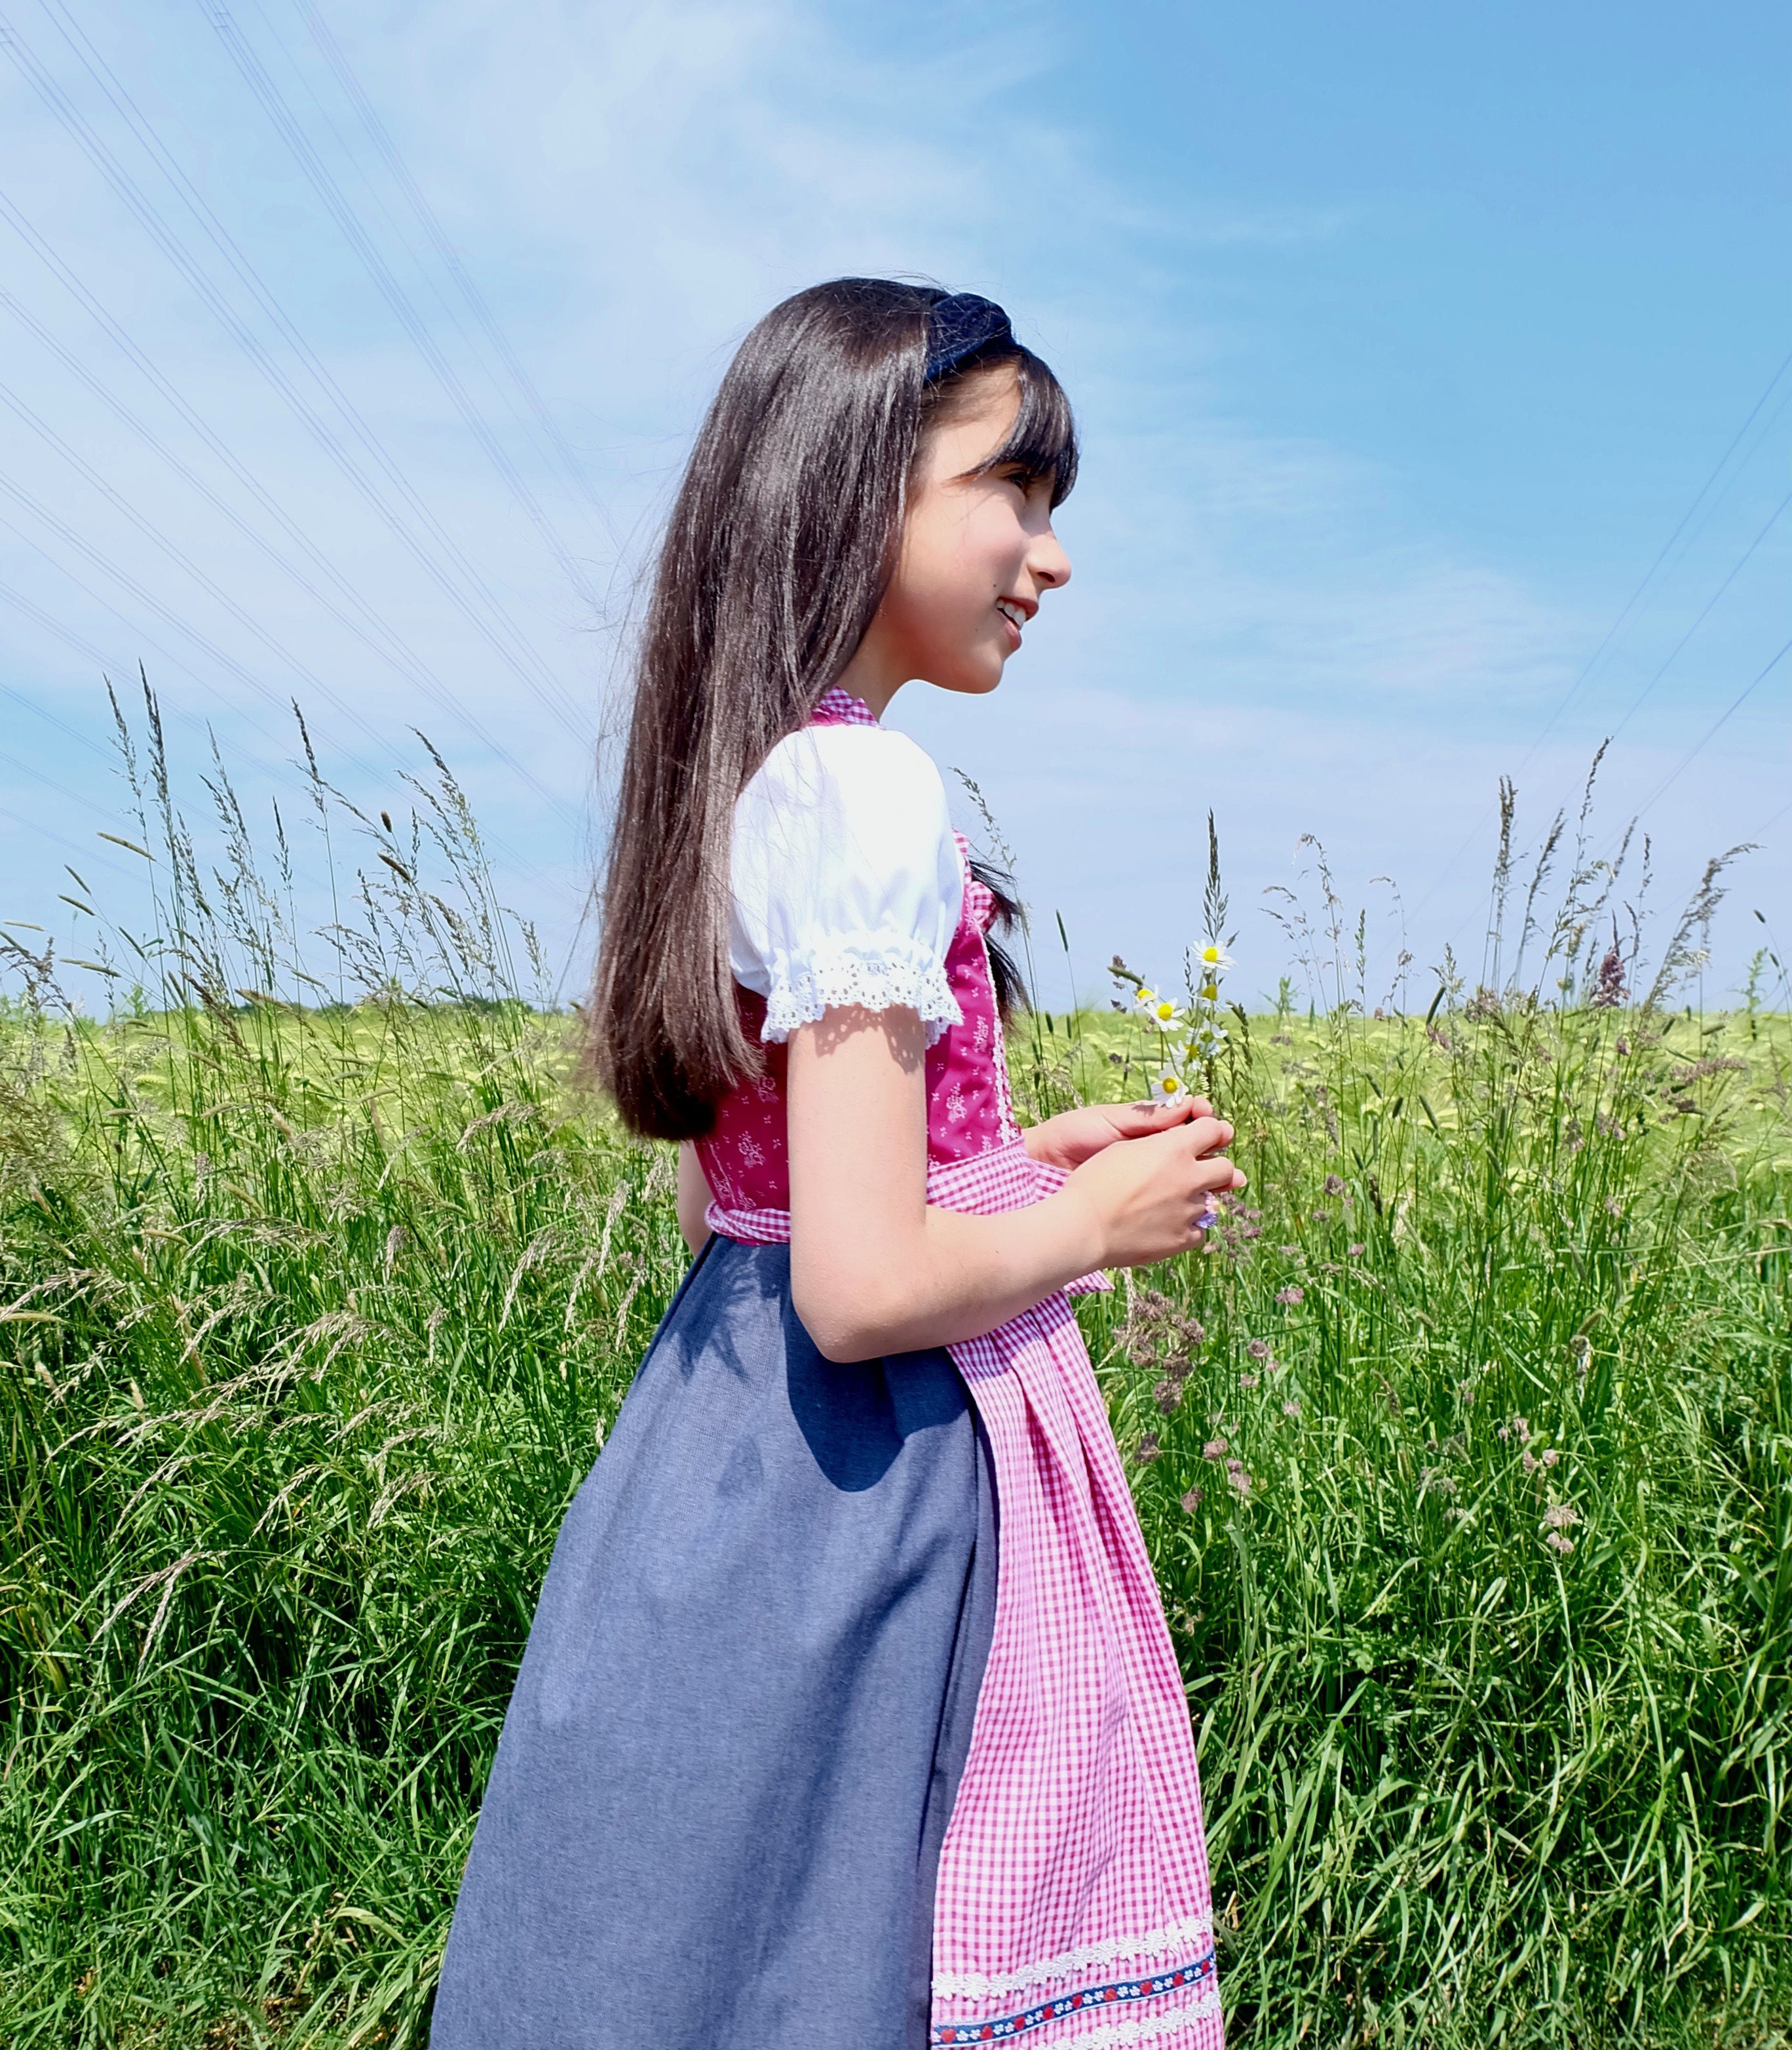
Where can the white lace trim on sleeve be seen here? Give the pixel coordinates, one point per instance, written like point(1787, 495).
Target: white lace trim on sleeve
point(875, 972)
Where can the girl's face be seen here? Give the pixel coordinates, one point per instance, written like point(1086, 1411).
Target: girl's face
point(978, 553)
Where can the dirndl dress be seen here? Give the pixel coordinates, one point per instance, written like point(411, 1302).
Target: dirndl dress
point(848, 1717)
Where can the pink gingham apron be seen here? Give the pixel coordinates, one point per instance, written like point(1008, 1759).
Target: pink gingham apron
point(1073, 1905)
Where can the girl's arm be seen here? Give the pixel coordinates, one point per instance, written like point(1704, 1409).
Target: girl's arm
point(693, 1197)
point(876, 1269)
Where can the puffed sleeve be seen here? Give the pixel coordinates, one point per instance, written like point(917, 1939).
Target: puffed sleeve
point(847, 881)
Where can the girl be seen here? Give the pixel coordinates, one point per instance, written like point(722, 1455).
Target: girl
point(849, 1720)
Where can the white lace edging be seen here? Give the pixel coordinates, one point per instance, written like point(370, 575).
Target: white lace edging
point(1148, 2028)
point(979, 1985)
point(876, 972)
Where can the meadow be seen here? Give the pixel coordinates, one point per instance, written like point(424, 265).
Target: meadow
point(1464, 1453)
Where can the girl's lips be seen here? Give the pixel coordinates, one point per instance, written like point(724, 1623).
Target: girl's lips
point(1006, 614)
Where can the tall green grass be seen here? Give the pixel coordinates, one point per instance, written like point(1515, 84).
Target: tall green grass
point(1465, 1456)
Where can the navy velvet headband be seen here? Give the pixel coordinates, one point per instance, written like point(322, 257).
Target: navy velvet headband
point(959, 325)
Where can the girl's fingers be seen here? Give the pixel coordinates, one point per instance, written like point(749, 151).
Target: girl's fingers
point(1215, 1176)
point(1208, 1134)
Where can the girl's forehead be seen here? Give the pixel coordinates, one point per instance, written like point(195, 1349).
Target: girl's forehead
point(973, 424)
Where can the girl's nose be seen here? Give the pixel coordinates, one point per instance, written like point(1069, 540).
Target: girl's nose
point(1048, 562)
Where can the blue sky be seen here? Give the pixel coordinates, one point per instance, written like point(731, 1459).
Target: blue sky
point(1405, 340)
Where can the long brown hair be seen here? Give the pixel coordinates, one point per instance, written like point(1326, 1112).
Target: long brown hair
point(775, 557)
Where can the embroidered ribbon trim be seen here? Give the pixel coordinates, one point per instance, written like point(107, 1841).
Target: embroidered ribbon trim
point(1155, 1943)
point(1142, 2028)
point(1007, 2027)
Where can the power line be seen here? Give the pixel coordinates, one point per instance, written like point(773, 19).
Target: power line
point(1612, 632)
point(515, 651)
point(468, 289)
point(256, 77)
point(51, 625)
point(49, 717)
point(49, 782)
point(43, 832)
point(246, 619)
point(1741, 564)
point(376, 634)
point(525, 870)
point(244, 675)
point(1723, 719)
point(1736, 570)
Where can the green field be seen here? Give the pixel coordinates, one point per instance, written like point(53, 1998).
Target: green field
point(1471, 1496)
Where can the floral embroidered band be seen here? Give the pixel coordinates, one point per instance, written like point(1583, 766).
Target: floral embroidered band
point(1006, 2028)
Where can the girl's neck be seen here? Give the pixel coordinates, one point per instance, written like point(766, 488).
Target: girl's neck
point(872, 675)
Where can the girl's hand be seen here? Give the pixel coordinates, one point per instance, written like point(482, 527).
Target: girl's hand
point(1074, 1136)
point(1152, 1199)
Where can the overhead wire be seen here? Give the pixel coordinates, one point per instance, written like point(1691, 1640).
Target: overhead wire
point(548, 426)
point(47, 833)
point(500, 632)
point(52, 625)
point(1736, 570)
point(61, 789)
point(519, 864)
point(1630, 606)
point(43, 711)
point(342, 210)
point(1710, 733)
point(398, 652)
point(547, 684)
point(247, 620)
point(143, 597)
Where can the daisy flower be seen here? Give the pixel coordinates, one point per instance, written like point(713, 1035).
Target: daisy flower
point(1169, 1087)
point(1214, 959)
point(1162, 1011)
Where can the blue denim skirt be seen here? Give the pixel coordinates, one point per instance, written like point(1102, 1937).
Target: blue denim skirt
point(715, 1818)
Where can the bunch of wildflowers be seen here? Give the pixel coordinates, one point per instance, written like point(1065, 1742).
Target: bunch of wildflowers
point(1189, 1034)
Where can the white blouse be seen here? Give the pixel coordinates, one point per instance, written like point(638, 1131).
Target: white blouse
point(847, 885)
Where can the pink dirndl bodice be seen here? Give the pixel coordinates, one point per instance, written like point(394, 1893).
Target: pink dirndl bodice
point(1073, 1905)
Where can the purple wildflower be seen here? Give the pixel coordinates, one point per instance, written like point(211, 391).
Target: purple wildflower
point(1191, 1501)
point(1291, 1408)
point(1357, 1251)
point(1247, 1380)
point(1334, 1185)
point(1215, 1448)
point(1287, 1297)
point(1258, 1348)
point(1149, 1449)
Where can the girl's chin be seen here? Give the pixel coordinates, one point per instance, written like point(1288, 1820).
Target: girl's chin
point(977, 685)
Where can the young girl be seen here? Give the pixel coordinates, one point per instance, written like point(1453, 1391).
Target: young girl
point(849, 1720)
